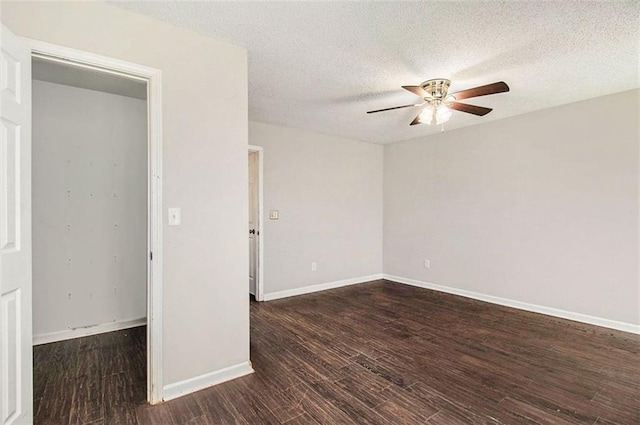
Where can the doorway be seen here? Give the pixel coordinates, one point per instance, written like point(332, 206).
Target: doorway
point(107, 75)
point(89, 233)
point(256, 231)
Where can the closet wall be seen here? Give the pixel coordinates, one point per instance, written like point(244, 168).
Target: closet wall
point(89, 211)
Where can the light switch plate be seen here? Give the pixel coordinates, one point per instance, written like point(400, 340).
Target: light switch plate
point(273, 214)
point(174, 217)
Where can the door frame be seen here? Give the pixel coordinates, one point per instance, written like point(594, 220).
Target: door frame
point(153, 78)
point(260, 272)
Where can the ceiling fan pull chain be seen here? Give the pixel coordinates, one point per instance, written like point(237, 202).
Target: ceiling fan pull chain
point(442, 131)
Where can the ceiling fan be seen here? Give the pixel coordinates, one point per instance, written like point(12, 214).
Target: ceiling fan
point(439, 103)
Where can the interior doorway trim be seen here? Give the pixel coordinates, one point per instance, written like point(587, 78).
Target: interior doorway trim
point(153, 78)
point(260, 284)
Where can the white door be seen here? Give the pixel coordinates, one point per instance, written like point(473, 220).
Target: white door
point(253, 222)
point(16, 393)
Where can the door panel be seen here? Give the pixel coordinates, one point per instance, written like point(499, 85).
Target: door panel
point(253, 221)
point(9, 191)
point(16, 397)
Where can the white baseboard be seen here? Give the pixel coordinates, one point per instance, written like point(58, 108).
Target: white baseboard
point(321, 287)
point(578, 317)
point(88, 330)
point(178, 389)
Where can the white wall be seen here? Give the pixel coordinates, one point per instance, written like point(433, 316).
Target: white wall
point(206, 307)
point(540, 208)
point(89, 208)
point(328, 192)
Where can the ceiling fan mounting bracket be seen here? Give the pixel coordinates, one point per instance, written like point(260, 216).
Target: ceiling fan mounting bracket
point(436, 88)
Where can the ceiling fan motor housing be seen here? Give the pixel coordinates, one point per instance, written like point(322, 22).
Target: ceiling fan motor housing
point(436, 89)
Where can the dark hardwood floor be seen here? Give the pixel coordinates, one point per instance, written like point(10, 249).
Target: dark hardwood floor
point(376, 353)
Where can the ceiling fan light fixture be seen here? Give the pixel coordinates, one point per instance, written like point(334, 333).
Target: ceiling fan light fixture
point(432, 114)
point(426, 116)
point(443, 113)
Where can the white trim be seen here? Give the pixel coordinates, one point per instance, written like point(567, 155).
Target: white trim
point(154, 268)
point(260, 283)
point(154, 277)
point(321, 287)
point(549, 311)
point(88, 330)
point(178, 389)
point(81, 59)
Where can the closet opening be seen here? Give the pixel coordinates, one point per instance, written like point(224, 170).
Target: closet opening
point(90, 231)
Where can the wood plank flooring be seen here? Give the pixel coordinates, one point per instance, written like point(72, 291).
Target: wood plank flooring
point(375, 353)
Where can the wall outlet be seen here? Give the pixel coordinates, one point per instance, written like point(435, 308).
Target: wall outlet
point(314, 266)
point(427, 264)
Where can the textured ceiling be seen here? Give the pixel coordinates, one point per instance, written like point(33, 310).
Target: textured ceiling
point(320, 66)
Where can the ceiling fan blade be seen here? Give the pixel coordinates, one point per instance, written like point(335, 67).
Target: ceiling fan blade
point(470, 109)
point(494, 88)
point(417, 90)
point(389, 109)
point(416, 120)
